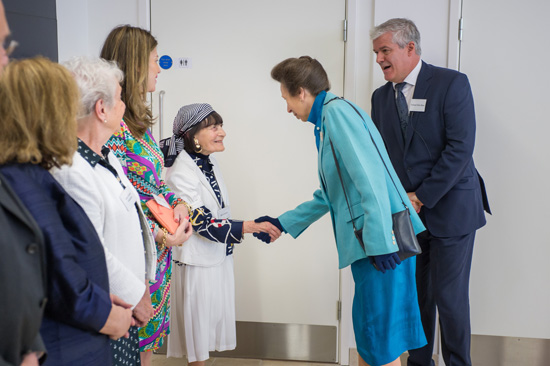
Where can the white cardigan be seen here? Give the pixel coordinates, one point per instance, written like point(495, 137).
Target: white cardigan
point(130, 249)
point(187, 181)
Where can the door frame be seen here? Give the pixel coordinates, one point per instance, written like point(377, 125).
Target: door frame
point(345, 280)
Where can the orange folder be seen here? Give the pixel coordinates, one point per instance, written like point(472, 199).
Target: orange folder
point(164, 215)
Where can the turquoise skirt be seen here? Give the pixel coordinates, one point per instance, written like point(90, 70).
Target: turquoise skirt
point(386, 317)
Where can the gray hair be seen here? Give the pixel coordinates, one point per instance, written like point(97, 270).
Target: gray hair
point(96, 79)
point(403, 30)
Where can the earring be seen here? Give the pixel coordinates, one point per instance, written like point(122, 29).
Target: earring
point(198, 147)
point(105, 120)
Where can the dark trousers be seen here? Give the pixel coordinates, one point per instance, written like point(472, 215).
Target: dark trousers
point(443, 280)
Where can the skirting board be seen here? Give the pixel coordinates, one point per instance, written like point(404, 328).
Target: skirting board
point(497, 351)
point(510, 351)
point(316, 343)
point(296, 342)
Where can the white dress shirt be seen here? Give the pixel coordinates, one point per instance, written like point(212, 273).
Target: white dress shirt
point(408, 89)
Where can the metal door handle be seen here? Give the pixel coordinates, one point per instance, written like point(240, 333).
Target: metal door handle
point(161, 113)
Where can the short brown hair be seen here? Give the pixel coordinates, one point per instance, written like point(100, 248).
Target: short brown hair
point(38, 106)
point(130, 47)
point(212, 119)
point(303, 72)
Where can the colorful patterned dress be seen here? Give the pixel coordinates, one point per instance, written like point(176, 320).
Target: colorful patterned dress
point(142, 162)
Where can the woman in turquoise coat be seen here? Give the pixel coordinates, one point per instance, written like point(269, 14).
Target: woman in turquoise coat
point(386, 317)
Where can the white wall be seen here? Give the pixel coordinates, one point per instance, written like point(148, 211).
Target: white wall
point(506, 58)
point(83, 25)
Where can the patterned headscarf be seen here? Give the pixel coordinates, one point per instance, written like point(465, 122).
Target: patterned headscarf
point(187, 117)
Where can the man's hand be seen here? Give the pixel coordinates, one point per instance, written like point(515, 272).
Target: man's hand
point(30, 359)
point(415, 201)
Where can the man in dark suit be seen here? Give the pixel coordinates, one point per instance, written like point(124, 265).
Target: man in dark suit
point(22, 281)
point(426, 117)
point(22, 265)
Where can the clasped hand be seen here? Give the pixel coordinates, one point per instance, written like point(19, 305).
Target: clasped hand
point(417, 204)
point(263, 229)
point(266, 236)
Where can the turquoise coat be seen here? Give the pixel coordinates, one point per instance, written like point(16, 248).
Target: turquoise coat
point(372, 195)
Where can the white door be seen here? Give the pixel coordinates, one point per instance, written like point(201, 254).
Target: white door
point(270, 162)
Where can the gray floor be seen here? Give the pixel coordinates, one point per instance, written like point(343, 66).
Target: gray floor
point(161, 360)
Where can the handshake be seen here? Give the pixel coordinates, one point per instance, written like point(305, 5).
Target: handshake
point(265, 228)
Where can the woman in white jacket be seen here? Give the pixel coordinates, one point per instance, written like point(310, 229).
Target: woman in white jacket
point(97, 182)
point(203, 288)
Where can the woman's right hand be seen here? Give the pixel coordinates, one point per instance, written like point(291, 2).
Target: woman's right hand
point(119, 320)
point(262, 227)
point(183, 232)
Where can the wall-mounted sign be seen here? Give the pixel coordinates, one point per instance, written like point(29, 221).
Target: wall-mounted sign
point(165, 62)
point(183, 63)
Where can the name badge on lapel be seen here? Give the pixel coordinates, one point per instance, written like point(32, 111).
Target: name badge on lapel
point(128, 199)
point(223, 213)
point(418, 105)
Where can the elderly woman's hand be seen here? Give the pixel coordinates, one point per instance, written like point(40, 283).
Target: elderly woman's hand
point(143, 311)
point(181, 211)
point(183, 232)
point(119, 320)
point(269, 232)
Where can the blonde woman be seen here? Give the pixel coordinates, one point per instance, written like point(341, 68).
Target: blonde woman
point(135, 52)
point(38, 105)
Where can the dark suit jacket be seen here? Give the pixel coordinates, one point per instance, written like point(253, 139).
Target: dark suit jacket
point(22, 279)
point(78, 288)
point(436, 161)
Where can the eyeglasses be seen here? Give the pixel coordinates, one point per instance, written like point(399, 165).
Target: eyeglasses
point(9, 45)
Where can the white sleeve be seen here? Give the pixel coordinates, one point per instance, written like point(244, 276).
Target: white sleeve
point(182, 179)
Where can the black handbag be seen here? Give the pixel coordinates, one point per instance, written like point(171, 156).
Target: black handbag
point(403, 230)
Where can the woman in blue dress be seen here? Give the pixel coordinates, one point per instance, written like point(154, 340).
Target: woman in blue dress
point(386, 317)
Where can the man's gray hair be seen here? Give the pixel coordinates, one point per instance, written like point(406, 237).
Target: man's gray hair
point(96, 79)
point(403, 30)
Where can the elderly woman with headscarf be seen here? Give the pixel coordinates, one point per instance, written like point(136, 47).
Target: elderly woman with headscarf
point(203, 291)
point(97, 182)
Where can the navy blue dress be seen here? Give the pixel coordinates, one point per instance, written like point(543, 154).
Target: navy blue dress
point(77, 286)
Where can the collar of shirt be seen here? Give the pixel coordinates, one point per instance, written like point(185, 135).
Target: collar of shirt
point(408, 89)
point(89, 155)
point(315, 115)
point(93, 159)
point(202, 161)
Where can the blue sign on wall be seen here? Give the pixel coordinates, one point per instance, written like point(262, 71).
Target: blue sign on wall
point(165, 62)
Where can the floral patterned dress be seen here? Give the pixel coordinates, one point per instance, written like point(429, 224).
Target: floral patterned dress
point(142, 162)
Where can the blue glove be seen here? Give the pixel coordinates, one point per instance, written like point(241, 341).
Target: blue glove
point(275, 221)
point(385, 261)
point(265, 236)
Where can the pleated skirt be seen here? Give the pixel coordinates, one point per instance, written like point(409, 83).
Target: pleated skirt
point(202, 310)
